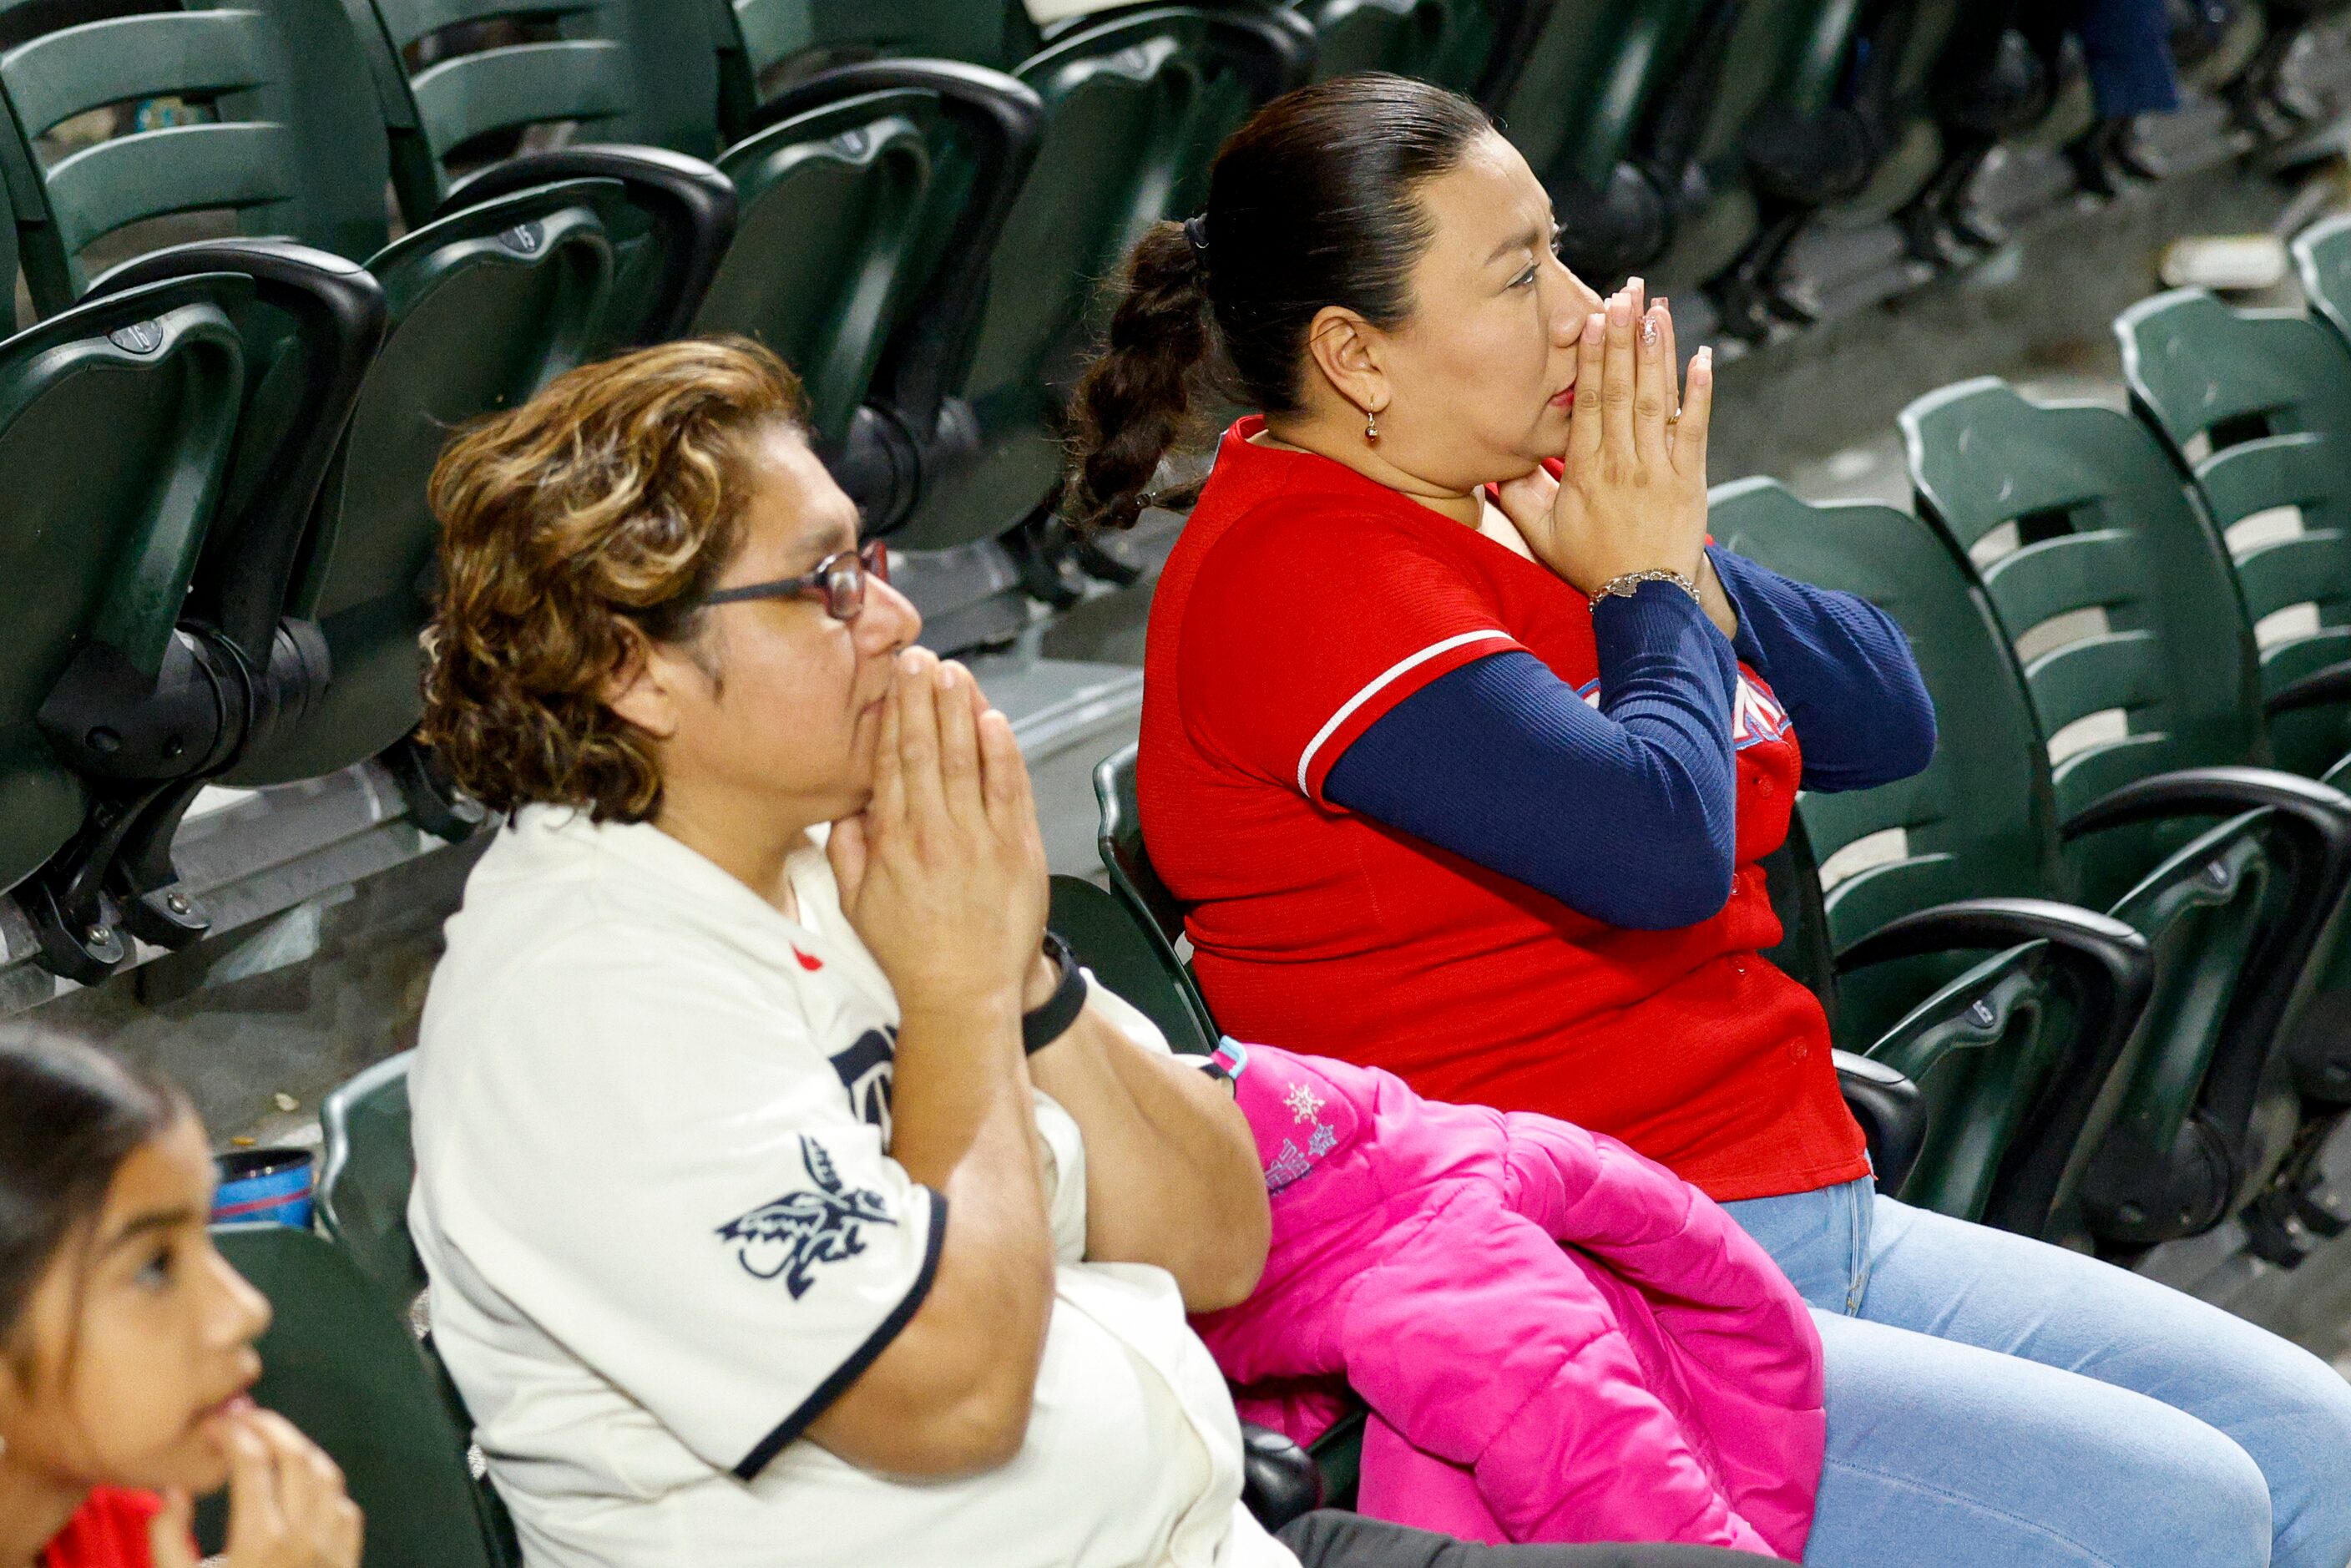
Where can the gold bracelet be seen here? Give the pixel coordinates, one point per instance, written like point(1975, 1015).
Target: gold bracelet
point(1628, 584)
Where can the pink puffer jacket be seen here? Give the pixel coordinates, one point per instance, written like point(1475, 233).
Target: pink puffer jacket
point(1558, 1340)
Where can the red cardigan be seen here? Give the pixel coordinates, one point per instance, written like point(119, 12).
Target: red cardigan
point(1301, 604)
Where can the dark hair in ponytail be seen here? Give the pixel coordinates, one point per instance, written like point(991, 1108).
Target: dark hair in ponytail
point(69, 1116)
point(1311, 203)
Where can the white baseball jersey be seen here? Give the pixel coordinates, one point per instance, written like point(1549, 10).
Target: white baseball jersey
point(655, 1197)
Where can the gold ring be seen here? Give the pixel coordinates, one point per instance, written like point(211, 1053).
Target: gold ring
point(1675, 417)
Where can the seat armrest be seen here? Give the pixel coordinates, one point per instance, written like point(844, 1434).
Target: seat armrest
point(2321, 688)
point(1279, 1479)
point(2111, 968)
point(2217, 792)
point(2111, 962)
point(690, 203)
point(2312, 849)
point(1892, 1113)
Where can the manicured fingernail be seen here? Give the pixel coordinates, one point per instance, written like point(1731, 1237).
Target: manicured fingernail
point(1665, 304)
point(1706, 356)
point(1619, 310)
point(1632, 287)
point(947, 677)
point(1650, 330)
point(1595, 327)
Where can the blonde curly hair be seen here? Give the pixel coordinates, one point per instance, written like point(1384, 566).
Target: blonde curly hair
point(573, 528)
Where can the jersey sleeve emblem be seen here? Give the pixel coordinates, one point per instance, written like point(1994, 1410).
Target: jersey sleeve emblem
point(801, 1231)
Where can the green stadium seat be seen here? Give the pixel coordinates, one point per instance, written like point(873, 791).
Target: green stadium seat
point(634, 81)
point(367, 1166)
point(485, 303)
point(1136, 103)
point(2255, 405)
point(864, 198)
point(1445, 41)
point(1903, 43)
point(2139, 663)
point(766, 45)
point(1772, 140)
point(1133, 960)
point(340, 1364)
point(2322, 255)
point(1583, 79)
point(144, 386)
point(873, 196)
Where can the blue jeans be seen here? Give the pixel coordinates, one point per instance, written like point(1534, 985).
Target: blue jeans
point(1996, 1401)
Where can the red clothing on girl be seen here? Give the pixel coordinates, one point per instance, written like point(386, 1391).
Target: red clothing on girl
point(110, 1531)
point(1302, 603)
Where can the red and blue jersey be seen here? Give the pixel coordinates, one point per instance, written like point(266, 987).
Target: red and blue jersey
point(1303, 604)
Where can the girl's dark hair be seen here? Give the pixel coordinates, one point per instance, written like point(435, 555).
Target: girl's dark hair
point(1310, 203)
point(69, 1116)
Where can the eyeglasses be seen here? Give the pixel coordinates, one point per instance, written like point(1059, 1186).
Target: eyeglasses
point(838, 580)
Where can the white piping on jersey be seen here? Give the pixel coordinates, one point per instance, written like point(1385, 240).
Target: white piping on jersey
point(1372, 689)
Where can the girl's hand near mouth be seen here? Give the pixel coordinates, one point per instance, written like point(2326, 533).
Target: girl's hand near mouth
point(287, 1505)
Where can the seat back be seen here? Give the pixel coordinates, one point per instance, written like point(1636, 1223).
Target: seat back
point(141, 391)
point(1782, 62)
point(289, 143)
point(1981, 819)
point(1579, 89)
point(2115, 590)
point(1444, 41)
point(339, 1364)
point(762, 39)
point(1131, 878)
point(2321, 256)
point(462, 80)
point(487, 305)
point(1130, 955)
point(2256, 405)
point(1136, 104)
point(846, 210)
point(366, 1167)
point(1904, 41)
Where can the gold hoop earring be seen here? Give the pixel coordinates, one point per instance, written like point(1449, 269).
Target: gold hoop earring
point(1371, 427)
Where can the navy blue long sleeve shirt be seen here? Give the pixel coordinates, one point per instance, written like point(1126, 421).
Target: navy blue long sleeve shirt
point(1626, 812)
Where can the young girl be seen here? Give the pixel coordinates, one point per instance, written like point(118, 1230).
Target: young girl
point(126, 1340)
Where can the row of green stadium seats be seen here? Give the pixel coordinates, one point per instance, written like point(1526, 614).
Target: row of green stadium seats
point(240, 600)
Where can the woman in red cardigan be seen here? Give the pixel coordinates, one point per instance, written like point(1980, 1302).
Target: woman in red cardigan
point(126, 1340)
point(1465, 772)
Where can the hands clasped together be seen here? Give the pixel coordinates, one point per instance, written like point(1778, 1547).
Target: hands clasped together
point(1632, 497)
point(943, 874)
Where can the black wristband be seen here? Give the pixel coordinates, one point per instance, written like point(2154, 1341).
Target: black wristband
point(1051, 1021)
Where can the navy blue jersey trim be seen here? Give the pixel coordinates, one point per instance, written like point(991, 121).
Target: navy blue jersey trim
point(865, 1355)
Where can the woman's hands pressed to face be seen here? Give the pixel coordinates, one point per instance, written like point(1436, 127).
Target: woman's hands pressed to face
point(943, 874)
point(1633, 493)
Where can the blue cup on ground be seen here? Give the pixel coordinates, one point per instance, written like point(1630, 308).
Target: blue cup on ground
point(265, 1186)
